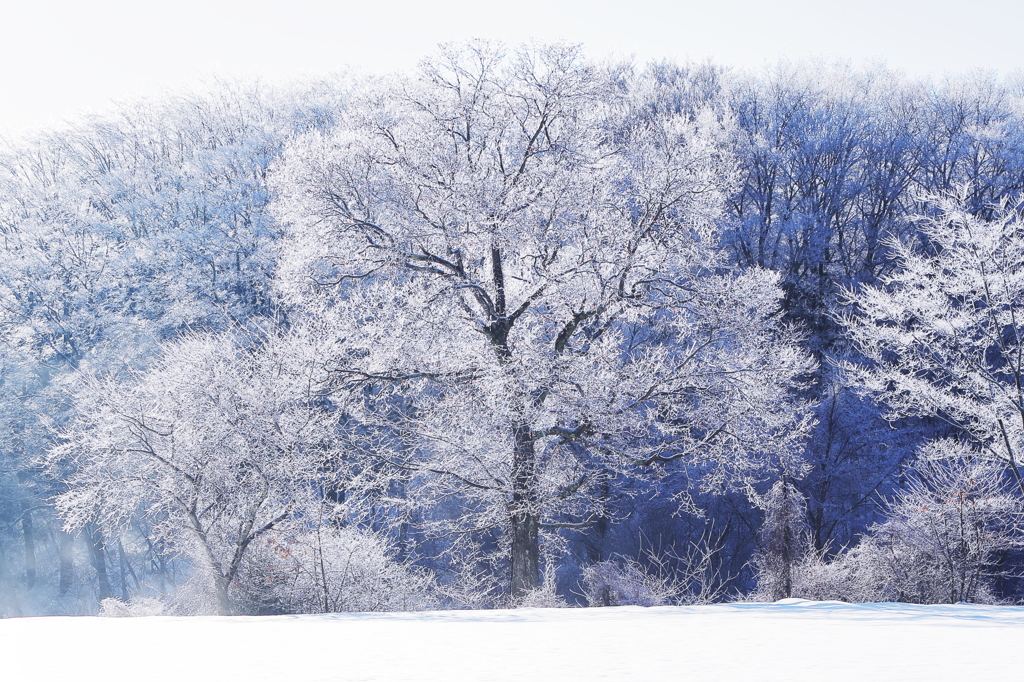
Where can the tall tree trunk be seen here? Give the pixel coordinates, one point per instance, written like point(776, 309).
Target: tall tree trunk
point(220, 587)
point(158, 565)
point(28, 530)
point(524, 512)
point(99, 562)
point(126, 570)
point(525, 519)
point(787, 544)
point(220, 582)
point(595, 542)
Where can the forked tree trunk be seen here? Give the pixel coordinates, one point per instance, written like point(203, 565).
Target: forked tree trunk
point(220, 583)
point(524, 512)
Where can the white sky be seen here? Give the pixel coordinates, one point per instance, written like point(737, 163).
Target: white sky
point(62, 57)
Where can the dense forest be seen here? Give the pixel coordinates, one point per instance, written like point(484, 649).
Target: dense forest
point(516, 329)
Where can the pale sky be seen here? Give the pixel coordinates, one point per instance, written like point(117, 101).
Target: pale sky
point(60, 58)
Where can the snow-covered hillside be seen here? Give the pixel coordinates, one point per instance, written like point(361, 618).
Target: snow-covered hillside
point(790, 640)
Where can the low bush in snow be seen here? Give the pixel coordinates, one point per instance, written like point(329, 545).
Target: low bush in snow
point(942, 540)
point(139, 606)
point(331, 569)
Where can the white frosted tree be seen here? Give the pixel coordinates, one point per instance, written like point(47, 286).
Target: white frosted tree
point(785, 540)
point(948, 530)
point(119, 232)
point(944, 538)
point(523, 274)
point(214, 447)
point(943, 334)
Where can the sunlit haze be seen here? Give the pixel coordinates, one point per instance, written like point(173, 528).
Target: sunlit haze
point(63, 58)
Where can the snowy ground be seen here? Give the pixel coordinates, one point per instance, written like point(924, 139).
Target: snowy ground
point(791, 640)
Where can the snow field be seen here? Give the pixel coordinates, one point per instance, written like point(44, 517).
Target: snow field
point(791, 640)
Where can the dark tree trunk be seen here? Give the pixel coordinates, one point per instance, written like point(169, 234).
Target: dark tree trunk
point(99, 563)
point(158, 565)
point(126, 570)
point(597, 540)
point(787, 546)
point(525, 519)
point(524, 512)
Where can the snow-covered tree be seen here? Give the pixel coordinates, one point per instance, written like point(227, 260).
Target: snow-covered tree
point(943, 335)
point(785, 540)
point(215, 446)
point(118, 232)
point(946, 533)
point(943, 538)
point(524, 274)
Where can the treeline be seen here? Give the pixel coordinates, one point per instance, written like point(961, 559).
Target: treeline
point(516, 329)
